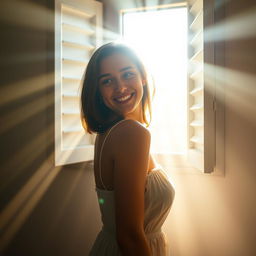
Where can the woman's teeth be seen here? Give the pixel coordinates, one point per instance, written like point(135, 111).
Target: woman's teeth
point(122, 99)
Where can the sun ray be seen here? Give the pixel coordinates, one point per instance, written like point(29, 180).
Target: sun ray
point(15, 117)
point(239, 26)
point(25, 12)
point(239, 84)
point(25, 157)
point(14, 91)
point(22, 205)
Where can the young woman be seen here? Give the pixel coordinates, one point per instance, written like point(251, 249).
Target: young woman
point(134, 194)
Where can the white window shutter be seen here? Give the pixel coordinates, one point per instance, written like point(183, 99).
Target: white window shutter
point(201, 90)
point(78, 31)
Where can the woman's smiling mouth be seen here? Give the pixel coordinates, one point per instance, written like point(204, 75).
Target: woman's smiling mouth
point(124, 99)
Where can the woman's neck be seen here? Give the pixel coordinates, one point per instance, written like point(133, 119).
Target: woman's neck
point(137, 115)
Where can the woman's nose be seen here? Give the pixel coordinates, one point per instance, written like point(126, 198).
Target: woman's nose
point(120, 85)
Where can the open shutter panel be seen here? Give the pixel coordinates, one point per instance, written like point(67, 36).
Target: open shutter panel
point(201, 113)
point(78, 32)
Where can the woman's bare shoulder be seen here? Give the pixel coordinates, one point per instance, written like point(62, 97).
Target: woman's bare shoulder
point(130, 129)
point(128, 135)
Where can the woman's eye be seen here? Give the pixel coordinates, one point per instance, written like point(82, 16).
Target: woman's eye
point(106, 81)
point(128, 75)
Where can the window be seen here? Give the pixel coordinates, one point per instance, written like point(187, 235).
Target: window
point(197, 116)
point(165, 54)
point(78, 32)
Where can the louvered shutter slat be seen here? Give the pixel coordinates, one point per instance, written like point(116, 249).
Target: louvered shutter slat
point(78, 32)
point(200, 95)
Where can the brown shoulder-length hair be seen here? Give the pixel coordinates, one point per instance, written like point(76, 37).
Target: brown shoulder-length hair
point(96, 117)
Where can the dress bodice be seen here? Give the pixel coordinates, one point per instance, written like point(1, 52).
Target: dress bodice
point(159, 195)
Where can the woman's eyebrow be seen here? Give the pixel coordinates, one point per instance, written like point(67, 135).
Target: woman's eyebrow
point(120, 70)
point(103, 75)
point(125, 68)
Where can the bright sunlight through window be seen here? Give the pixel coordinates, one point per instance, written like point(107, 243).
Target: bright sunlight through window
point(160, 37)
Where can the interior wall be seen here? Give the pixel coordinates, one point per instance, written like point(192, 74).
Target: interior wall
point(63, 218)
point(211, 215)
point(215, 215)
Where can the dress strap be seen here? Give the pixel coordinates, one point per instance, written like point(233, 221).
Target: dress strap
point(102, 146)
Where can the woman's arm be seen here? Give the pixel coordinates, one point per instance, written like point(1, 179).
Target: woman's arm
point(131, 154)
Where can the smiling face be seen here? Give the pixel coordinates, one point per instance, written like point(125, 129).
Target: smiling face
point(121, 86)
